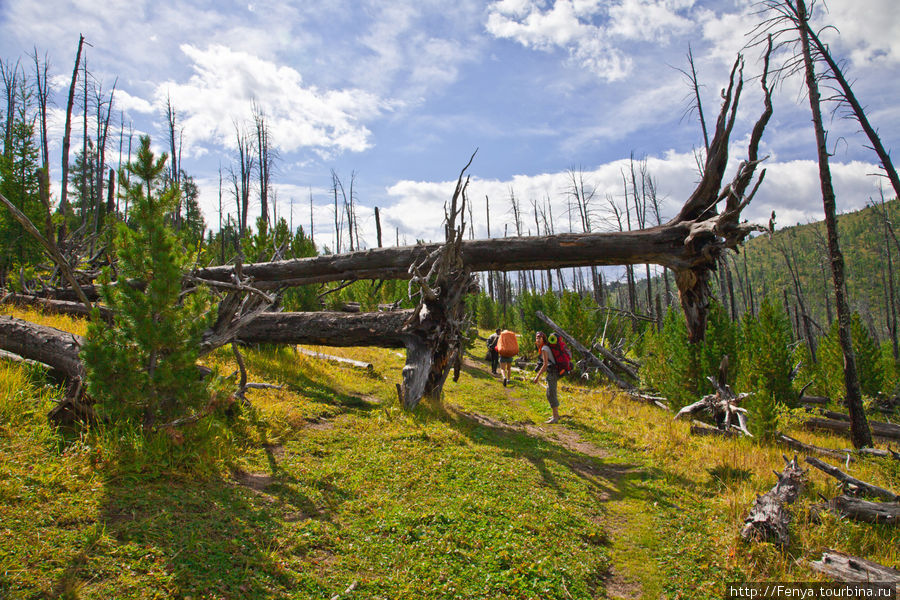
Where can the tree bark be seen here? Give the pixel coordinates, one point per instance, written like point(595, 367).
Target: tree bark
point(863, 510)
point(844, 567)
point(859, 429)
point(852, 482)
point(768, 519)
point(55, 348)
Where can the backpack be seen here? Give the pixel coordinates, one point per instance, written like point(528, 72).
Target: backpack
point(560, 354)
point(507, 345)
point(492, 342)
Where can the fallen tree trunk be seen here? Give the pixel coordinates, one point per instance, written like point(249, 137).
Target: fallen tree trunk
point(818, 400)
point(592, 360)
point(63, 307)
point(381, 329)
point(338, 359)
point(844, 567)
point(878, 428)
point(862, 510)
point(796, 444)
point(768, 519)
point(52, 347)
point(852, 483)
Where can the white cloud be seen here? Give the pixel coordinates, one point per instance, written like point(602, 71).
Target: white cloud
point(590, 31)
point(226, 83)
point(129, 103)
point(791, 189)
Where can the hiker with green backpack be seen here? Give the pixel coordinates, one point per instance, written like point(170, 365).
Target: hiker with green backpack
point(555, 361)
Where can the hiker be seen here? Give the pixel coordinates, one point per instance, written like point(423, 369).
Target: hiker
point(507, 348)
point(492, 350)
point(548, 365)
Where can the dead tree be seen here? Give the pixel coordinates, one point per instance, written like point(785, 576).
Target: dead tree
point(852, 484)
point(791, 18)
point(63, 203)
point(723, 405)
point(861, 510)
point(844, 567)
point(769, 518)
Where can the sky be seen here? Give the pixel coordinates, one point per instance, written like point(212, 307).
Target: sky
point(398, 94)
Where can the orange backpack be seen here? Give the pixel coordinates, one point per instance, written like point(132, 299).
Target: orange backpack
point(508, 345)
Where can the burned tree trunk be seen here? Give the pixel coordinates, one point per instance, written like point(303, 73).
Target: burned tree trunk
point(844, 567)
point(862, 510)
point(768, 519)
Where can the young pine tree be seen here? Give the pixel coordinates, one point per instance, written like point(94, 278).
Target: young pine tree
point(868, 361)
point(765, 360)
point(143, 365)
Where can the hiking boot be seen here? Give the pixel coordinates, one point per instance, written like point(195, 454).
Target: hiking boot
point(552, 420)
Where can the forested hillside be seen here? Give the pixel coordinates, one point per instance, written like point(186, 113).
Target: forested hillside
point(793, 265)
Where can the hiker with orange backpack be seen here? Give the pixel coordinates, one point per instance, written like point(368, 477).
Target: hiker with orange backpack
point(507, 348)
point(555, 362)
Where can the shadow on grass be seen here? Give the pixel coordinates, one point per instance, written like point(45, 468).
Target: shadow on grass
point(609, 481)
point(217, 537)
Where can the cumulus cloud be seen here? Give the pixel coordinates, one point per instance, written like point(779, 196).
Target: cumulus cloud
point(590, 31)
point(225, 84)
point(790, 188)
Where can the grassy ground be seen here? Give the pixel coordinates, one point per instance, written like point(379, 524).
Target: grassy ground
point(327, 488)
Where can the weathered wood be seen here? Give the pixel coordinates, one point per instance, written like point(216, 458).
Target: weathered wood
point(338, 359)
point(382, 329)
point(590, 358)
point(796, 444)
point(862, 510)
point(853, 483)
point(769, 518)
point(64, 307)
point(722, 406)
point(818, 400)
point(700, 428)
point(845, 567)
point(878, 428)
point(15, 358)
point(48, 345)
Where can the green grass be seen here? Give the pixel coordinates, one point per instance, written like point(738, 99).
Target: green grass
point(326, 483)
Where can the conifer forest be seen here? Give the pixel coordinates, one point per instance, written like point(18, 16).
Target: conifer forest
point(219, 380)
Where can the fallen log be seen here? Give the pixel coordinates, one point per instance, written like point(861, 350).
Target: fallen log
point(795, 444)
point(592, 360)
point(52, 347)
point(861, 510)
point(700, 428)
point(817, 400)
point(844, 567)
point(338, 359)
point(15, 358)
point(769, 518)
point(62, 307)
point(852, 483)
point(879, 429)
point(876, 452)
point(689, 244)
point(381, 329)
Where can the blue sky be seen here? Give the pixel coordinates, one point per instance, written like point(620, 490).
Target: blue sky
point(401, 93)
